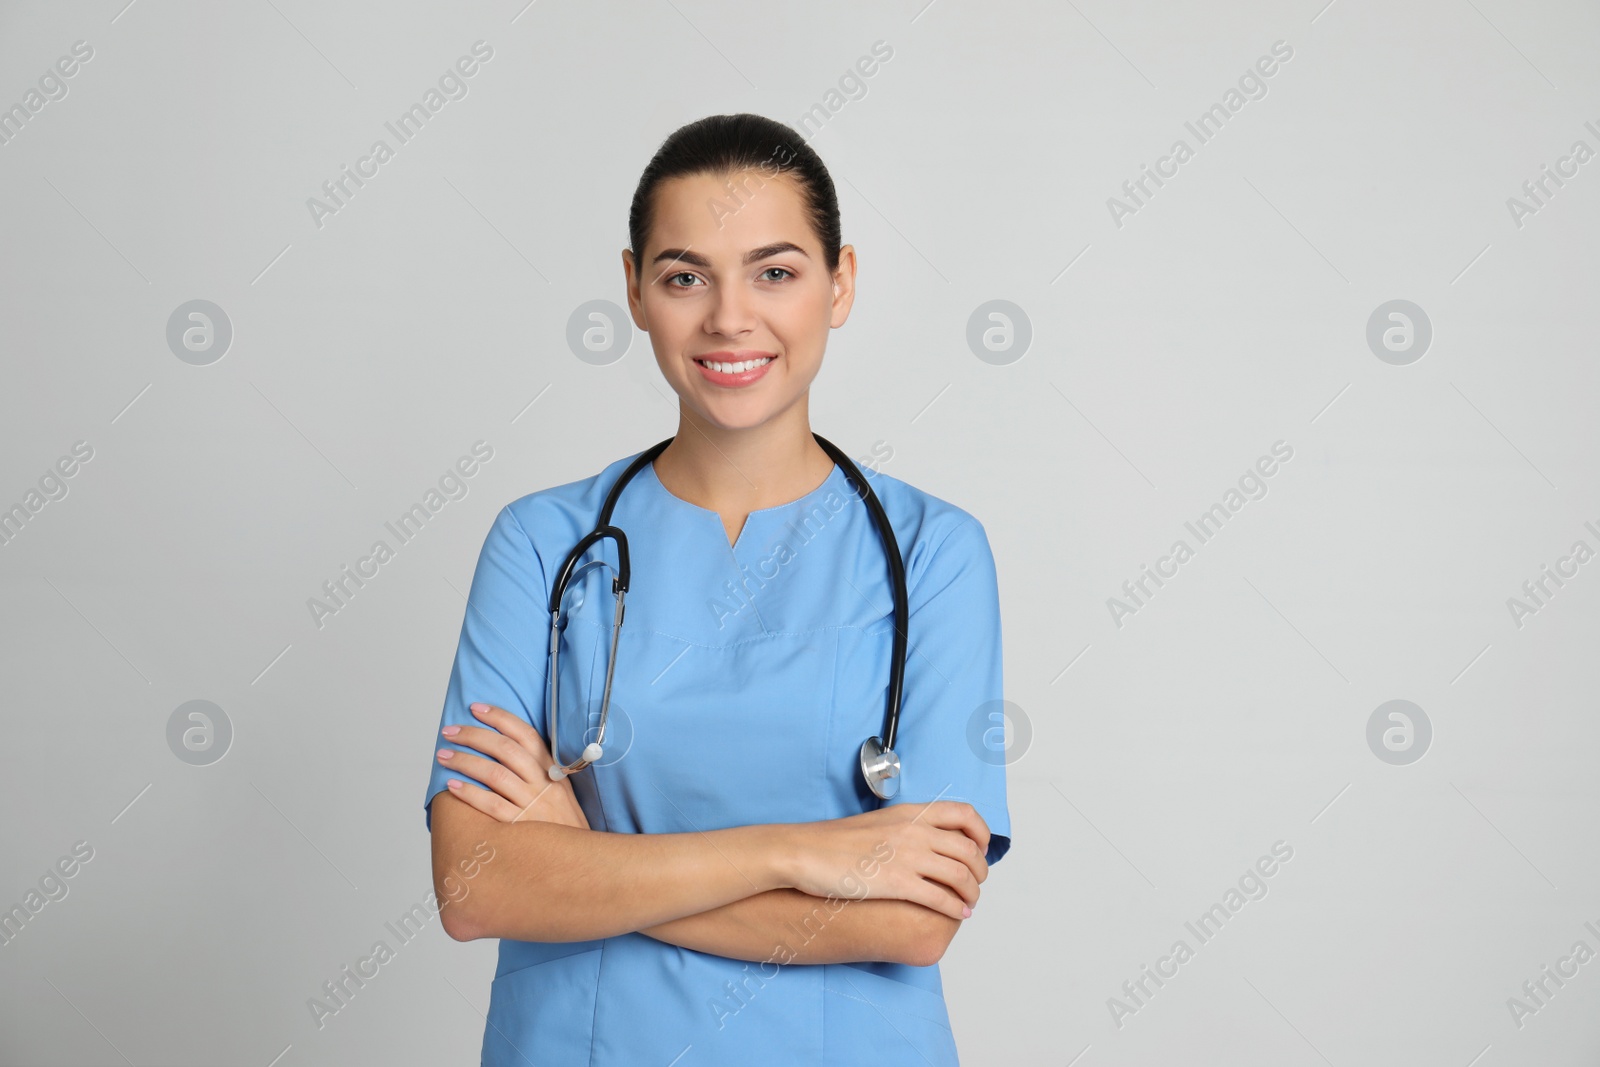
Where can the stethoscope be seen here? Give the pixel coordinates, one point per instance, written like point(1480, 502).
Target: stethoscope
point(880, 767)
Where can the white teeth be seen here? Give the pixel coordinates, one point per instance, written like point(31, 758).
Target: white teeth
point(737, 368)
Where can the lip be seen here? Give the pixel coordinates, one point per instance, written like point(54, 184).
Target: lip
point(735, 381)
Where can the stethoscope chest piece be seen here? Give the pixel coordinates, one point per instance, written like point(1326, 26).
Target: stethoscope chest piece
point(881, 769)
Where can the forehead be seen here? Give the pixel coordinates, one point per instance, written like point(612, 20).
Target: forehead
point(726, 214)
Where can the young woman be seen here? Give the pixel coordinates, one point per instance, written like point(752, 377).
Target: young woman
point(721, 885)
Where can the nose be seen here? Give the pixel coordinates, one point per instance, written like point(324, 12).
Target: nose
point(731, 313)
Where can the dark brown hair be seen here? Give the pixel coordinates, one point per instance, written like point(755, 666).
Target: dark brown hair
point(722, 144)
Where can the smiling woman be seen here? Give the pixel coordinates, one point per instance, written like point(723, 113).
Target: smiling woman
point(722, 835)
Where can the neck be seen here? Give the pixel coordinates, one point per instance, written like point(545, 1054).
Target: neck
point(736, 471)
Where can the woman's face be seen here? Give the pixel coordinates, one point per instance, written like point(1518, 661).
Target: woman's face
point(732, 275)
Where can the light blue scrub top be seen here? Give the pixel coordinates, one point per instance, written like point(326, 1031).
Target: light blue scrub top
point(747, 677)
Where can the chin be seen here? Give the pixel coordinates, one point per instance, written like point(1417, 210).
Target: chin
point(727, 416)
point(734, 425)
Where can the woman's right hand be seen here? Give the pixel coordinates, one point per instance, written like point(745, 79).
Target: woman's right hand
point(931, 854)
point(514, 770)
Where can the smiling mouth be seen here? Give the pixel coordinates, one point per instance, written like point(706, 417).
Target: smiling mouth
point(736, 368)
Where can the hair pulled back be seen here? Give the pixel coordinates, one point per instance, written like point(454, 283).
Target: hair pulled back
point(724, 144)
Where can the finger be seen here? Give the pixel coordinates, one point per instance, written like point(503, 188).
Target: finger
point(508, 784)
point(958, 815)
point(936, 896)
point(502, 749)
point(959, 846)
point(487, 801)
point(954, 874)
point(906, 882)
point(514, 726)
point(522, 798)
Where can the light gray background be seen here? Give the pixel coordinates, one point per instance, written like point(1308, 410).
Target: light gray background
point(1168, 354)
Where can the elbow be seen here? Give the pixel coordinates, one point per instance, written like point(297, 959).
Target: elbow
point(462, 846)
point(458, 925)
point(928, 933)
point(483, 911)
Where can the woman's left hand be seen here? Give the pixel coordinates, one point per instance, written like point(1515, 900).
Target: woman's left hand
point(516, 772)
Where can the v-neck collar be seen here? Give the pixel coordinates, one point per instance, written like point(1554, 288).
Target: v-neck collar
point(835, 480)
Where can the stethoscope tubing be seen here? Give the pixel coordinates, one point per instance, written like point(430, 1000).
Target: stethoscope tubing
point(603, 529)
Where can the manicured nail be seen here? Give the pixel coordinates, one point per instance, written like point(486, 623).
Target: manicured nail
point(966, 912)
point(450, 731)
point(478, 709)
point(454, 783)
point(445, 753)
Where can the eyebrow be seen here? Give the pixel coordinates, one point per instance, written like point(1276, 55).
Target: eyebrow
point(683, 255)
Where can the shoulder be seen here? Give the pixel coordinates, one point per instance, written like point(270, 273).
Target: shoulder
point(933, 533)
point(550, 521)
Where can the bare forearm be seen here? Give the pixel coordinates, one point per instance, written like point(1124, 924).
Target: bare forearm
point(551, 882)
point(788, 926)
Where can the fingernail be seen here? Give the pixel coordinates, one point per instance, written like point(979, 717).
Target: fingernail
point(450, 731)
point(445, 753)
point(454, 783)
point(966, 912)
point(477, 709)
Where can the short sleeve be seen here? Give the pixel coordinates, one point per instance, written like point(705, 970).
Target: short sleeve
point(953, 684)
point(504, 634)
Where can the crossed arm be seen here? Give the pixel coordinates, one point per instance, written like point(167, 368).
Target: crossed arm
point(756, 893)
point(780, 922)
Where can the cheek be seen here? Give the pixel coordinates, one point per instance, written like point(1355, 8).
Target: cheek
point(672, 326)
point(803, 324)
